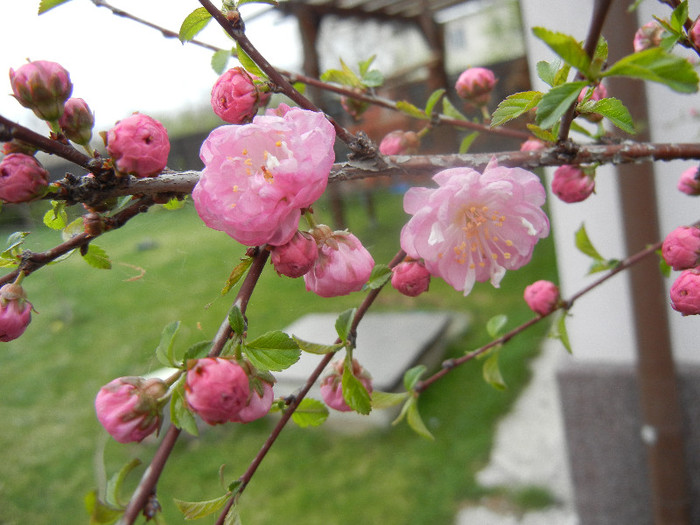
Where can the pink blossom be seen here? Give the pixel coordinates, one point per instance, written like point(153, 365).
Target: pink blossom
point(43, 87)
point(258, 405)
point(411, 278)
point(77, 121)
point(235, 96)
point(332, 388)
point(475, 85)
point(400, 142)
point(542, 297)
point(572, 184)
point(681, 248)
point(15, 312)
point(258, 176)
point(475, 226)
point(343, 264)
point(689, 182)
point(694, 33)
point(648, 36)
point(296, 257)
point(22, 178)
point(533, 145)
point(217, 389)
point(685, 292)
point(129, 408)
point(139, 145)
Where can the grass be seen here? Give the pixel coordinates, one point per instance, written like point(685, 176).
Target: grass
point(95, 325)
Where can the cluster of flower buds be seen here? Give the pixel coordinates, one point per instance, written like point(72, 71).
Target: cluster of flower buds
point(237, 95)
point(681, 251)
point(15, 312)
point(332, 388)
point(221, 390)
point(542, 297)
point(138, 145)
point(475, 85)
point(43, 87)
point(400, 142)
point(572, 183)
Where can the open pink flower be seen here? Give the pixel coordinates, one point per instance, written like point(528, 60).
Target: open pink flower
point(139, 145)
point(343, 264)
point(475, 226)
point(258, 176)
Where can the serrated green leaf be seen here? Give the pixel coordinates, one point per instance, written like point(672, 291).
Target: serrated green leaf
point(164, 351)
point(584, 244)
point(238, 272)
point(567, 47)
point(411, 110)
point(450, 111)
point(679, 16)
point(381, 273)
point(495, 325)
point(45, 5)
point(193, 510)
point(547, 71)
point(554, 104)
point(340, 77)
point(415, 421)
point(542, 134)
point(56, 218)
point(236, 320)
point(274, 351)
point(9, 262)
point(343, 324)
point(248, 64)
point(114, 484)
point(656, 65)
point(180, 414)
point(562, 75)
point(467, 142)
point(580, 129)
point(615, 111)
point(317, 348)
point(354, 392)
point(492, 372)
point(310, 413)
point(412, 376)
point(193, 24)
point(219, 60)
point(364, 65)
point(14, 241)
point(97, 257)
point(197, 351)
point(74, 228)
point(433, 99)
point(601, 51)
point(100, 513)
point(515, 105)
point(382, 400)
point(373, 79)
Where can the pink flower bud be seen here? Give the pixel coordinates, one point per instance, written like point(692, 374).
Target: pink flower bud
point(258, 404)
point(332, 388)
point(475, 85)
point(400, 142)
point(343, 264)
point(22, 178)
point(685, 292)
point(689, 183)
point(139, 145)
point(681, 248)
point(43, 87)
point(217, 389)
point(542, 297)
point(235, 97)
point(129, 408)
point(572, 184)
point(77, 121)
point(648, 36)
point(297, 257)
point(15, 312)
point(694, 33)
point(532, 145)
point(411, 278)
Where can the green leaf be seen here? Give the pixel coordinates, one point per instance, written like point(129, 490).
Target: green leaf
point(14, 241)
point(656, 65)
point(248, 64)
point(381, 273)
point(433, 99)
point(343, 324)
point(603, 265)
point(193, 24)
point(679, 16)
point(373, 79)
point(193, 510)
point(175, 204)
point(310, 413)
point(567, 47)
point(100, 513)
point(45, 5)
point(580, 129)
point(411, 110)
point(412, 376)
point(562, 75)
point(197, 351)
point(450, 111)
point(542, 134)
point(584, 244)
point(341, 77)
point(354, 392)
point(495, 325)
point(554, 104)
point(74, 228)
point(180, 414)
point(364, 65)
point(492, 372)
point(559, 331)
point(664, 267)
point(415, 421)
point(238, 272)
point(316, 348)
point(232, 517)
point(467, 142)
point(615, 111)
point(387, 399)
point(274, 351)
point(236, 320)
point(515, 105)
point(164, 351)
point(97, 257)
point(57, 218)
point(115, 483)
point(547, 71)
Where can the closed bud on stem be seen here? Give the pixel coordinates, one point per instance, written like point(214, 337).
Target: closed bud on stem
point(138, 145)
point(542, 297)
point(648, 36)
point(475, 85)
point(22, 178)
point(681, 248)
point(685, 292)
point(77, 121)
point(411, 278)
point(572, 183)
point(296, 257)
point(15, 312)
point(694, 33)
point(43, 87)
point(400, 142)
point(689, 182)
point(236, 96)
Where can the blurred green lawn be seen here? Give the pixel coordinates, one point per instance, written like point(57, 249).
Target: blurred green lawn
point(95, 325)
